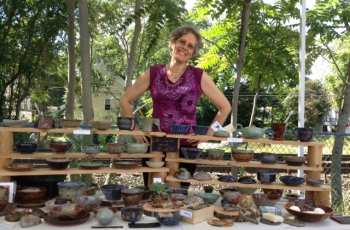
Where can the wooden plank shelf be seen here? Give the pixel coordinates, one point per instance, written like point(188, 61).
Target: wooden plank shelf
point(257, 185)
point(250, 164)
point(80, 155)
point(48, 171)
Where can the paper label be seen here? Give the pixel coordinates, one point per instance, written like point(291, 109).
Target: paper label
point(157, 179)
point(216, 126)
point(185, 213)
point(81, 131)
point(149, 218)
point(233, 139)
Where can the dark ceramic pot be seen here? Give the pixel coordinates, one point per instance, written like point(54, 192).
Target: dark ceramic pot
point(208, 189)
point(132, 196)
point(26, 147)
point(179, 128)
point(191, 152)
point(292, 180)
point(278, 130)
point(131, 214)
point(126, 123)
point(246, 180)
point(112, 191)
point(227, 178)
point(200, 130)
point(303, 134)
point(266, 176)
point(268, 158)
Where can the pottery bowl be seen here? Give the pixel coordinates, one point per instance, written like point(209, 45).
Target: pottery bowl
point(91, 149)
point(309, 217)
point(67, 123)
point(68, 190)
point(215, 154)
point(60, 146)
point(170, 221)
point(315, 182)
point(155, 164)
point(98, 208)
point(292, 180)
point(268, 158)
point(276, 192)
point(295, 160)
point(57, 163)
point(200, 130)
point(67, 211)
point(114, 148)
point(227, 178)
point(26, 147)
point(178, 128)
point(112, 191)
point(4, 197)
point(136, 147)
point(242, 155)
point(127, 213)
point(15, 123)
point(266, 176)
point(246, 180)
point(291, 197)
point(89, 202)
point(101, 125)
point(262, 199)
point(30, 194)
point(132, 196)
point(125, 164)
point(246, 190)
point(210, 198)
point(191, 152)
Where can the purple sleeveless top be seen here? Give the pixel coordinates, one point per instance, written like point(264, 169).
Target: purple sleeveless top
point(175, 103)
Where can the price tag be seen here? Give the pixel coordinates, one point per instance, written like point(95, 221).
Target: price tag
point(232, 139)
point(216, 126)
point(81, 131)
point(185, 213)
point(157, 179)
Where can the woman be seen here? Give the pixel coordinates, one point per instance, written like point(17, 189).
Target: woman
point(176, 87)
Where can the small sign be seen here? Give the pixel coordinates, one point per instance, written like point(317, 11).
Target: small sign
point(216, 126)
point(157, 179)
point(81, 131)
point(301, 202)
point(232, 139)
point(185, 213)
point(164, 144)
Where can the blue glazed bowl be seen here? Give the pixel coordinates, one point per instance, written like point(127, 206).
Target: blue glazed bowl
point(179, 129)
point(292, 180)
point(170, 221)
point(191, 152)
point(200, 130)
point(26, 147)
point(112, 191)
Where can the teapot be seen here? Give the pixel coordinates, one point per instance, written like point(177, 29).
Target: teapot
point(252, 132)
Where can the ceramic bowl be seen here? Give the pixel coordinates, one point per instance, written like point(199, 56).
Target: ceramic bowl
point(295, 160)
point(155, 164)
point(67, 211)
point(136, 147)
point(60, 146)
point(178, 128)
point(126, 213)
point(89, 202)
point(268, 158)
point(221, 133)
point(246, 180)
point(215, 154)
point(227, 178)
point(210, 198)
point(101, 125)
point(15, 123)
point(262, 199)
point(98, 208)
point(58, 163)
point(315, 182)
point(202, 176)
point(170, 221)
point(91, 149)
point(276, 192)
point(200, 130)
point(68, 190)
point(191, 152)
point(182, 174)
point(223, 190)
point(242, 155)
point(68, 123)
point(309, 217)
point(132, 196)
point(246, 190)
point(26, 147)
point(30, 194)
point(291, 197)
point(125, 164)
point(112, 191)
point(292, 180)
point(266, 176)
point(114, 148)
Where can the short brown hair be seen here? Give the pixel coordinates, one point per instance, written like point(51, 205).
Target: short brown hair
point(182, 30)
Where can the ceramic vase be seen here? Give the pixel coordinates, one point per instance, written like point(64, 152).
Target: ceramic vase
point(105, 216)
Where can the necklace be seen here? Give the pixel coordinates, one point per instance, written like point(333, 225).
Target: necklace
point(175, 77)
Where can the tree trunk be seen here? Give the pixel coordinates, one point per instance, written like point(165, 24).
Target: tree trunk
point(71, 61)
point(255, 100)
point(337, 151)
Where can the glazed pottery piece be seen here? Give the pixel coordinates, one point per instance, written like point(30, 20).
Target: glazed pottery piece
point(221, 133)
point(309, 217)
point(208, 189)
point(268, 158)
point(215, 154)
point(191, 152)
point(242, 155)
point(246, 190)
point(114, 148)
point(246, 180)
point(223, 190)
point(169, 221)
point(114, 209)
point(202, 176)
point(105, 216)
point(136, 147)
point(192, 199)
point(66, 123)
point(278, 130)
point(252, 132)
point(91, 149)
point(131, 214)
point(182, 174)
point(200, 129)
point(132, 196)
point(227, 178)
point(101, 125)
point(58, 163)
point(245, 201)
point(60, 146)
point(67, 211)
point(29, 220)
point(68, 190)
point(15, 123)
point(4, 197)
point(266, 176)
point(292, 180)
point(210, 198)
point(232, 196)
point(303, 134)
point(112, 191)
point(88, 201)
point(262, 199)
point(275, 192)
point(149, 122)
point(155, 164)
point(295, 160)
point(26, 147)
point(315, 182)
point(179, 128)
point(126, 123)
point(30, 194)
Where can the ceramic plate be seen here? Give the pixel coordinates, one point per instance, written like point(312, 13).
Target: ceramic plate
point(41, 203)
point(20, 168)
point(48, 218)
point(90, 165)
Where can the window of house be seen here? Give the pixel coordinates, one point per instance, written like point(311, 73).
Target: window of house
point(108, 104)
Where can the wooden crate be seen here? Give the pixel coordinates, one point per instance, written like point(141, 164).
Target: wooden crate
point(196, 216)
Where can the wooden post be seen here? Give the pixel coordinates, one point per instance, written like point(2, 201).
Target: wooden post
point(173, 166)
point(6, 141)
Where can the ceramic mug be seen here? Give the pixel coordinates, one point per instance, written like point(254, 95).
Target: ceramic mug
point(148, 122)
point(126, 123)
point(303, 134)
point(278, 130)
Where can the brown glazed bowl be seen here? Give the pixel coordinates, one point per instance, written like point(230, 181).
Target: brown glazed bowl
point(114, 148)
point(58, 163)
point(30, 194)
point(132, 196)
point(310, 217)
point(242, 155)
point(60, 146)
point(101, 125)
point(262, 199)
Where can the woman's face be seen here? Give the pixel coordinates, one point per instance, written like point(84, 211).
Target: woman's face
point(183, 47)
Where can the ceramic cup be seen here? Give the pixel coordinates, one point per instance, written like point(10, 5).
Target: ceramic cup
point(126, 123)
point(303, 134)
point(278, 130)
point(148, 122)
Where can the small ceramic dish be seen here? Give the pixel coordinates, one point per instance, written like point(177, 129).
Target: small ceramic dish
point(57, 163)
point(15, 123)
point(67, 123)
point(227, 178)
point(246, 180)
point(136, 147)
point(200, 130)
point(91, 149)
point(292, 180)
point(295, 160)
point(170, 221)
point(191, 152)
point(210, 198)
point(315, 182)
point(155, 164)
point(221, 133)
point(90, 165)
point(242, 155)
point(179, 128)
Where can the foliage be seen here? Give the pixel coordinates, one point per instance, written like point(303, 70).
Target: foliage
point(159, 188)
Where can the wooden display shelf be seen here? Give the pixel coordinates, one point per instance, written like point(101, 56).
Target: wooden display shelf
point(257, 185)
point(250, 164)
point(48, 171)
point(80, 155)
